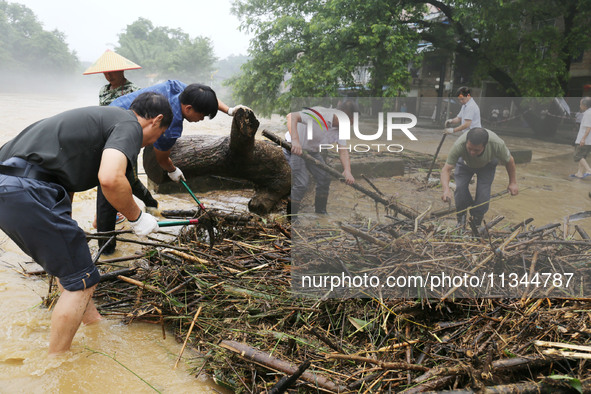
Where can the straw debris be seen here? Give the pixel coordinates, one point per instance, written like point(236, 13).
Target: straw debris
point(235, 307)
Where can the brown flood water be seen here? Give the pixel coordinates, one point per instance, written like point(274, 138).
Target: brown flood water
point(547, 194)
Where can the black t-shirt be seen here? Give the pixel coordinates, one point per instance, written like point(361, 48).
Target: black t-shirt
point(70, 145)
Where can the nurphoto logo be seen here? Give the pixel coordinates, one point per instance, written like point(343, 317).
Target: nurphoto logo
point(395, 122)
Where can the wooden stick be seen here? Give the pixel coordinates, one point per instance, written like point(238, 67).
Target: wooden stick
point(582, 232)
point(139, 284)
point(187, 337)
point(187, 256)
point(497, 365)
point(384, 365)
point(561, 345)
point(487, 226)
point(405, 211)
point(362, 235)
point(435, 157)
point(566, 354)
point(374, 187)
point(287, 381)
point(276, 364)
point(117, 273)
point(394, 346)
point(421, 216)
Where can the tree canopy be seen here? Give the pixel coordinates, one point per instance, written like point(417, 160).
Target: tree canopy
point(169, 53)
point(316, 48)
point(25, 46)
point(527, 46)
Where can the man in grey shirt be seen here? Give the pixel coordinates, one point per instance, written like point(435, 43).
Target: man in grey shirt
point(42, 168)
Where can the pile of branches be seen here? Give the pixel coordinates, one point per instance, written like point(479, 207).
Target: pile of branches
point(234, 305)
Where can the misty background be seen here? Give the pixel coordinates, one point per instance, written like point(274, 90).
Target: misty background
point(37, 54)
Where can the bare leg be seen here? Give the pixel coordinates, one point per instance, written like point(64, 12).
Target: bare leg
point(583, 167)
point(67, 315)
point(91, 315)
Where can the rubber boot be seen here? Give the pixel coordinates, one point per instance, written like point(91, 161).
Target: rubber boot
point(320, 204)
point(476, 221)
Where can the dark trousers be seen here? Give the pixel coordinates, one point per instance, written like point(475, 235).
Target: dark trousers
point(300, 177)
point(484, 179)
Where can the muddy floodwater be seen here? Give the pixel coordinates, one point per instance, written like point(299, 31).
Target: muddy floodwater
point(113, 357)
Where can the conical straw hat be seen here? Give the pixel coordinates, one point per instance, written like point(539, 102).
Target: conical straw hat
point(110, 61)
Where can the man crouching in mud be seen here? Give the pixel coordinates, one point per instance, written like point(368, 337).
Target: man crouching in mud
point(45, 165)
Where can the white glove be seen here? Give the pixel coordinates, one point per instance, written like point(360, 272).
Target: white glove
point(177, 175)
point(449, 130)
point(448, 122)
point(144, 225)
point(232, 110)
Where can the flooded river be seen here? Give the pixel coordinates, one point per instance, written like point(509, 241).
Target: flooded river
point(112, 357)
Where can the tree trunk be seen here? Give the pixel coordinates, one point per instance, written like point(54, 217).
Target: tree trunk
point(236, 156)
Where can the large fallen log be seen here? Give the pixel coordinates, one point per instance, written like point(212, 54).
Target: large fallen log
point(237, 156)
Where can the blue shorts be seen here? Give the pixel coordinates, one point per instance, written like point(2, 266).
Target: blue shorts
point(36, 215)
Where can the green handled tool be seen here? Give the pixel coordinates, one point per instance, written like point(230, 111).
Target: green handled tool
point(170, 223)
point(205, 222)
point(193, 195)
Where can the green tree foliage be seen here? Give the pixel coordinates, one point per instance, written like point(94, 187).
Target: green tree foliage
point(25, 46)
point(169, 53)
point(525, 45)
point(313, 48)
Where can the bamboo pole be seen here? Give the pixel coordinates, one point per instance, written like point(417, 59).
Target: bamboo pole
point(188, 335)
point(276, 364)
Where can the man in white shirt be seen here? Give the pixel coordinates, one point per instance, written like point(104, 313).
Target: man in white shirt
point(583, 141)
point(468, 117)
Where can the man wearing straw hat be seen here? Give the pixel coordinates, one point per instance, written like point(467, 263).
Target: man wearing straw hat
point(113, 66)
point(42, 168)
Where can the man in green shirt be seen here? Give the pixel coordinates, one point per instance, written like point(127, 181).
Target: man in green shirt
point(476, 152)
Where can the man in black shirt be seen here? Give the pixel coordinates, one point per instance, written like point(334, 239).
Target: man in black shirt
point(45, 165)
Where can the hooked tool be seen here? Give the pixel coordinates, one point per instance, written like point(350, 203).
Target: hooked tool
point(207, 221)
point(204, 221)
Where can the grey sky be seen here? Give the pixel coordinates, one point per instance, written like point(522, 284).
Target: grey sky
point(91, 27)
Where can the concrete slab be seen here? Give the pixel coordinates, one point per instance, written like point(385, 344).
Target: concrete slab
point(521, 155)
